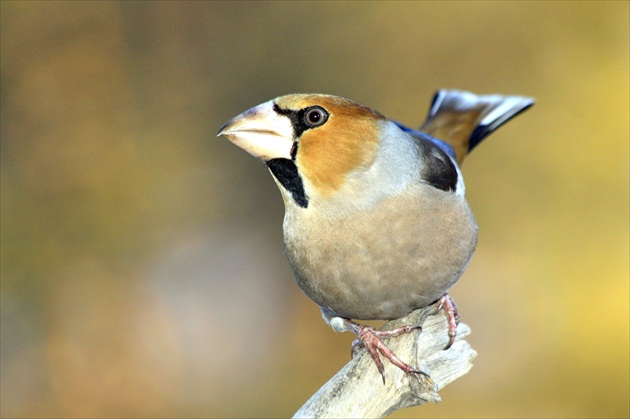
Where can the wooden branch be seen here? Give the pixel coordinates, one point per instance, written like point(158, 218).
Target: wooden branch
point(357, 390)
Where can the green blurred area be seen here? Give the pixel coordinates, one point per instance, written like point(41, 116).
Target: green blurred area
point(142, 266)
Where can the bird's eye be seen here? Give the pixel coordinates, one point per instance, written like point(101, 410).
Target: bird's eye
point(315, 116)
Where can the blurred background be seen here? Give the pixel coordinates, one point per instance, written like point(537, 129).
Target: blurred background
point(143, 272)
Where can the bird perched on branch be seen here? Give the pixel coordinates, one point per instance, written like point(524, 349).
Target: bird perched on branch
point(376, 221)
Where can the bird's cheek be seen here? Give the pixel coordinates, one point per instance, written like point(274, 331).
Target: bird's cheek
point(326, 157)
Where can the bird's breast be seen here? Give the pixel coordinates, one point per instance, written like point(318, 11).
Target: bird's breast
point(401, 255)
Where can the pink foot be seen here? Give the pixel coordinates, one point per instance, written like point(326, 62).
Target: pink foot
point(452, 317)
point(372, 340)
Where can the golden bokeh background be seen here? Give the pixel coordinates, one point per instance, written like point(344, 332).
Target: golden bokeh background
point(143, 272)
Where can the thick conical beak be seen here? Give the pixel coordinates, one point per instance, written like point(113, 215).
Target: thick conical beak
point(262, 132)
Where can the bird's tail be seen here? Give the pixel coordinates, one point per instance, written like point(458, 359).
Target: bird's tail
point(463, 119)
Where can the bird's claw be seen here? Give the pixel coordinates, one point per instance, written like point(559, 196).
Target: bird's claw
point(372, 340)
point(452, 317)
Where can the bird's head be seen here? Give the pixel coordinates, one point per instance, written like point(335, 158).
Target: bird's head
point(313, 144)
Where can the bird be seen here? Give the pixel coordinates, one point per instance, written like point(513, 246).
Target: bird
point(376, 221)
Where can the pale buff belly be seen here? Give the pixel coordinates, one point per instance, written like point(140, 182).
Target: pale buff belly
point(384, 264)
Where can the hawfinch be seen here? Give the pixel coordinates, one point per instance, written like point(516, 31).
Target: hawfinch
point(376, 221)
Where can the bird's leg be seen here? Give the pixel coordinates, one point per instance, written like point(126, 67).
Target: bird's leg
point(372, 340)
point(452, 317)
